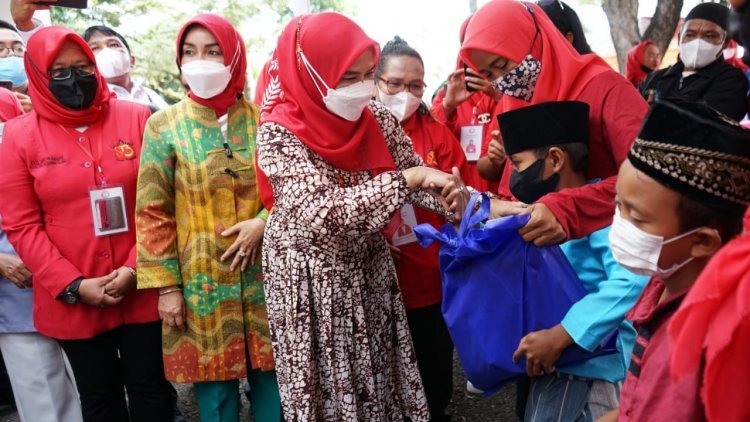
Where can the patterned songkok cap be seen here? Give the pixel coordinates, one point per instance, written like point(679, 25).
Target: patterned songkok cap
point(696, 151)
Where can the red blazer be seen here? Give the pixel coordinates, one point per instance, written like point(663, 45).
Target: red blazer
point(46, 212)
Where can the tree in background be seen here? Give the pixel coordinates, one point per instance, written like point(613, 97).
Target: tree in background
point(153, 41)
point(623, 25)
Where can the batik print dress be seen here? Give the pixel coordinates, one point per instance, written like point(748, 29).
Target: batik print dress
point(338, 323)
point(186, 197)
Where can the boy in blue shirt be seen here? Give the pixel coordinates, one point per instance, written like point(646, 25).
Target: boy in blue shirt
point(547, 145)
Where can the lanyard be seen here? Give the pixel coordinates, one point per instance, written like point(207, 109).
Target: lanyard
point(101, 180)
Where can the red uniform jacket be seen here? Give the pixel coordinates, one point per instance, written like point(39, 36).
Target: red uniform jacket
point(615, 117)
point(418, 271)
point(46, 212)
point(463, 116)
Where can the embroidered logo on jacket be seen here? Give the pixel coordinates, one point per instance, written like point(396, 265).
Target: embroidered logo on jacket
point(430, 159)
point(124, 151)
point(47, 161)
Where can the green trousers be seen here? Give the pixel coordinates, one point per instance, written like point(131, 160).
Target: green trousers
point(219, 401)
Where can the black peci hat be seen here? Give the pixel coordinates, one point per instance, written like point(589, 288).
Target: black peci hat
point(696, 151)
point(544, 124)
point(712, 12)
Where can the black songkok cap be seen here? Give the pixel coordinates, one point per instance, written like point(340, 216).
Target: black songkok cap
point(696, 151)
point(712, 12)
point(544, 124)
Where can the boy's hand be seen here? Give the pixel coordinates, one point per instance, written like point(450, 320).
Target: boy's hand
point(496, 150)
point(542, 349)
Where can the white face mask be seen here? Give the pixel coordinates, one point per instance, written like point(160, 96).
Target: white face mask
point(112, 63)
point(206, 78)
point(698, 54)
point(638, 251)
point(348, 102)
point(729, 53)
point(403, 105)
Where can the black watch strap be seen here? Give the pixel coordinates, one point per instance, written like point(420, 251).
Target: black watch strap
point(70, 294)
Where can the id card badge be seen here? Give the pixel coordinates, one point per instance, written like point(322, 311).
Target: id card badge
point(471, 141)
point(108, 210)
point(404, 232)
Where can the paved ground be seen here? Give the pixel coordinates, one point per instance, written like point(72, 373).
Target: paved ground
point(497, 408)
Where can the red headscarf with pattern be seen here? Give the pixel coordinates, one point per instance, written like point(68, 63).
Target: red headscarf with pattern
point(331, 43)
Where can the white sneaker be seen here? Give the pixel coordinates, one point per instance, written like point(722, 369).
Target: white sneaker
point(473, 391)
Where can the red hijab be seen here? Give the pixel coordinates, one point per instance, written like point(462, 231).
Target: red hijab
point(231, 44)
point(633, 68)
point(713, 326)
point(506, 28)
point(41, 52)
point(10, 107)
point(332, 43)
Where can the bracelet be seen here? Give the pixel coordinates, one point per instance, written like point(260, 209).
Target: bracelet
point(132, 271)
point(168, 291)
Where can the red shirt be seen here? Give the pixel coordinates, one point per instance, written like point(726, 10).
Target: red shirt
point(463, 116)
point(649, 394)
point(418, 271)
point(616, 115)
point(47, 214)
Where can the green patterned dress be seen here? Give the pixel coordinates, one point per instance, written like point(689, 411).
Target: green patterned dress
point(189, 191)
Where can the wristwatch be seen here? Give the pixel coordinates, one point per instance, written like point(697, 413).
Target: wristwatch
point(70, 294)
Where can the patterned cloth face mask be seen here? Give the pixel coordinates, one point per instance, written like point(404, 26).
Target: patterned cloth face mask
point(521, 80)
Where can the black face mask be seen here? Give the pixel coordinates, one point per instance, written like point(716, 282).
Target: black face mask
point(527, 186)
point(75, 92)
point(646, 69)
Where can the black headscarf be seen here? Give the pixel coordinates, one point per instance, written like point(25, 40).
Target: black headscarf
point(566, 20)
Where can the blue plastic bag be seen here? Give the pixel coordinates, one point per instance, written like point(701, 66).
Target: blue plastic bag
point(496, 289)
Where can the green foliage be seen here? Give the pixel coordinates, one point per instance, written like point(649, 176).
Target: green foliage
point(151, 28)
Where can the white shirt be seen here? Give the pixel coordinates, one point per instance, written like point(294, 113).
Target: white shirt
point(140, 94)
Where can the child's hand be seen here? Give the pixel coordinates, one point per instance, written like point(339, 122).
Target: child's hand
point(542, 349)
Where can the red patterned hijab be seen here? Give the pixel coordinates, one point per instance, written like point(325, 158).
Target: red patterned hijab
point(331, 43)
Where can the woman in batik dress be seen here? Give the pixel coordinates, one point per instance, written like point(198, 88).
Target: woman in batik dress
point(200, 222)
point(339, 166)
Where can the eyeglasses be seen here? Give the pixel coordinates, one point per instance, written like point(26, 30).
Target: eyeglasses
point(17, 51)
point(67, 72)
point(394, 87)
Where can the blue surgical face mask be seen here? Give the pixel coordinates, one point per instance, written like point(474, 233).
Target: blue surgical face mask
point(11, 69)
